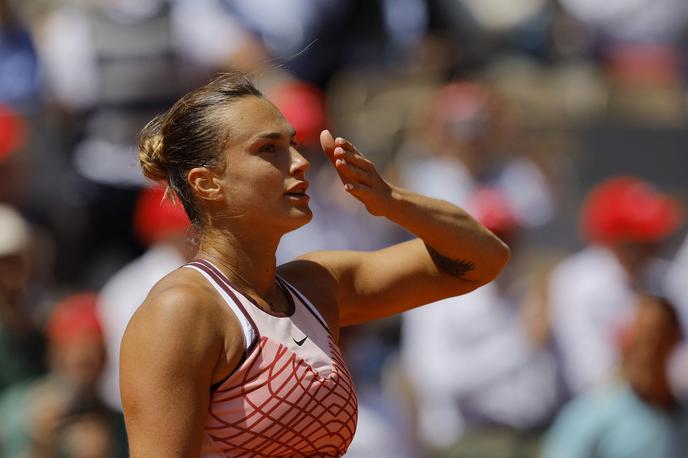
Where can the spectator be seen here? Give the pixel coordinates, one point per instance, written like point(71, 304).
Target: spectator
point(21, 343)
point(624, 220)
point(636, 415)
point(500, 377)
point(163, 227)
point(12, 164)
point(480, 372)
point(110, 66)
point(19, 81)
point(87, 436)
point(466, 144)
point(385, 424)
point(307, 37)
point(38, 417)
point(677, 292)
point(676, 285)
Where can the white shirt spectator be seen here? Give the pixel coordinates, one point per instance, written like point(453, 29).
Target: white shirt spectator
point(118, 301)
point(471, 354)
point(591, 301)
point(677, 284)
point(677, 291)
point(469, 357)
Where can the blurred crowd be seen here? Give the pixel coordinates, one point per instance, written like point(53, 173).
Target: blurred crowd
point(562, 125)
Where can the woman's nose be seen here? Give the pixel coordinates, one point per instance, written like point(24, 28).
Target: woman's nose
point(299, 164)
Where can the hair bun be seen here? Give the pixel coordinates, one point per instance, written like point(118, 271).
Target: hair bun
point(151, 151)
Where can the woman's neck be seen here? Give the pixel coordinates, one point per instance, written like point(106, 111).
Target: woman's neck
point(248, 261)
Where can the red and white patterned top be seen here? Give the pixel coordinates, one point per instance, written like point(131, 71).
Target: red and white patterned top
point(291, 395)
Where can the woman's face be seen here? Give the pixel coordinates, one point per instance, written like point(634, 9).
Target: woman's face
point(264, 182)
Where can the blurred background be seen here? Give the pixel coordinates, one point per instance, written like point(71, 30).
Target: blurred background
point(562, 125)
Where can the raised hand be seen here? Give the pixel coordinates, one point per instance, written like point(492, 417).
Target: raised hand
point(358, 174)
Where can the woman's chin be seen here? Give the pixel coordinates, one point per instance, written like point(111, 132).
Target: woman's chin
point(299, 217)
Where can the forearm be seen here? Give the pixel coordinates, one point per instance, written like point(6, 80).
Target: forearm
point(457, 243)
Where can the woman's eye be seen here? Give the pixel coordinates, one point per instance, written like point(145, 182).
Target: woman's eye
point(268, 148)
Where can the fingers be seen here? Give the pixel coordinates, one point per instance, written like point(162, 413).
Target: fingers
point(329, 145)
point(356, 190)
point(327, 142)
point(347, 147)
point(352, 174)
point(353, 168)
point(347, 151)
point(352, 157)
point(344, 144)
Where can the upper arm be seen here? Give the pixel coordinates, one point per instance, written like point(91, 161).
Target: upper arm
point(168, 355)
point(372, 285)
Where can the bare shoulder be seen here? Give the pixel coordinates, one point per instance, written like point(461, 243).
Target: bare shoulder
point(179, 300)
point(182, 285)
point(314, 278)
point(181, 315)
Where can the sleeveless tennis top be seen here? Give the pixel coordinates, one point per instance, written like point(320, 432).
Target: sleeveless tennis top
point(291, 394)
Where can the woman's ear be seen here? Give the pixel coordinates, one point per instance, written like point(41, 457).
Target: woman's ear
point(205, 184)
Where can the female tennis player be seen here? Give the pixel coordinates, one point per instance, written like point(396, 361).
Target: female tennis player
point(231, 355)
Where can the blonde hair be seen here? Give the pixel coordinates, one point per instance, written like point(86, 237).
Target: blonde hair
point(151, 157)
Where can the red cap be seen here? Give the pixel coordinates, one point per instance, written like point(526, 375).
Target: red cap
point(628, 209)
point(304, 107)
point(12, 131)
point(74, 317)
point(156, 216)
point(492, 208)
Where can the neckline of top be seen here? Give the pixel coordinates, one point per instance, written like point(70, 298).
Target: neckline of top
point(291, 306)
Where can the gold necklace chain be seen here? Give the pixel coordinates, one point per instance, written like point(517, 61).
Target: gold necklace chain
point(246, 284)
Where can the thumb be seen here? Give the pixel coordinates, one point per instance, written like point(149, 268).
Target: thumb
point(327, 143)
